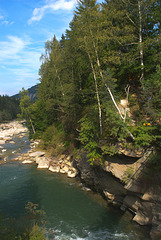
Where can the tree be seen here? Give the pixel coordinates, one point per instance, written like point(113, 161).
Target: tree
point(26, 108)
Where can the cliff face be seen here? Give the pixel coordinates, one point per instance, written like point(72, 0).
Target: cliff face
point(125, 182)
point(32, 93)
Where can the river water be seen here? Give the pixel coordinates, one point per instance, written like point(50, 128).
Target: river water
point(71, 212)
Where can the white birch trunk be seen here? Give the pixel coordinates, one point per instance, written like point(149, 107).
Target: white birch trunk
point(141, 42)
point(96, 86)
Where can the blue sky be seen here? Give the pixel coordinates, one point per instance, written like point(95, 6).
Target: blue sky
point(25, 26)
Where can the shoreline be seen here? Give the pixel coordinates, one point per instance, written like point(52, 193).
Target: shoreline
point(144, 203)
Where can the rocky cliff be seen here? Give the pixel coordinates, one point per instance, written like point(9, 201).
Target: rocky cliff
point(124, 181)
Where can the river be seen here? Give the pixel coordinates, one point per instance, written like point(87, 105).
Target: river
point(72, 212)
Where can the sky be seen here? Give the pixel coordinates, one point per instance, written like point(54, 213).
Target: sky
point(25, 26)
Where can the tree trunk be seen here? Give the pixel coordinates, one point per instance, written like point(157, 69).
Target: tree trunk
point(96, 86)
point(141, 42)
point(33, 129)
point(101, 74)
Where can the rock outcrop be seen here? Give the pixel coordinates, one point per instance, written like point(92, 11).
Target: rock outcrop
point(122, 182)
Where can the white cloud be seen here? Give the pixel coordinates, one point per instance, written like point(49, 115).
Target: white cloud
point(38, 13)
point(17, 51)
point(4, 21)
point(19, 63)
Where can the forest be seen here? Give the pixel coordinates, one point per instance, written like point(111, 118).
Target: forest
point(9, 108)
point(100, 84)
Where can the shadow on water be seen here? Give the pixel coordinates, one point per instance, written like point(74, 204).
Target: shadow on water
point(16, 191)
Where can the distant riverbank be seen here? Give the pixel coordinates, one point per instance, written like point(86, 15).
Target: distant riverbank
point(8, 130)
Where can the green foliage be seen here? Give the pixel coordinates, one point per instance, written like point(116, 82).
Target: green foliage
point(152, 95)
point(102, 39)
point(37, 233)
point(89, 135)
point(114, 131)
point(30, 226)
point(153, 167)
point(143, 135)
point(9, 108)
point(26, 109)
point(54, 139)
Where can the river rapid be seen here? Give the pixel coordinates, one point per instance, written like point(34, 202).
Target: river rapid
point(72, 212)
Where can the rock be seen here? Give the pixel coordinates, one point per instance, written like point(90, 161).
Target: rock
point(62, 156)
point(12, 142)
point(7, 139)
point(2, 142)
point(97, 178)
point(152, 194)
point(72, 173)
point(135, 187)
point(142, 219)
point(118, 169)
point(4, 150)
point(65, 169)
point(27, 161)
point(43, 163)
point(156, 233)
point(37, 154)
point(68, 158)
point(132, 202)
point(131, 153)
point(37, 159)
point(55, 168)
point(109, 196)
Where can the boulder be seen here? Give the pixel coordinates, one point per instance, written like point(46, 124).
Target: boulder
point(2, 142)
point(55, 168)
point(132, 202)
point(65, 169)
point(109, 196)
point(72, 173)
point(37, 154)
point(116, 169)
point(43, 163)
point(142, 219)
point(27, 161)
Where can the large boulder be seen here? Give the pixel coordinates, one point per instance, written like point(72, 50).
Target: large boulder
point(43, 163)
point(37, 154)
point(54, 168)
point(142, 219)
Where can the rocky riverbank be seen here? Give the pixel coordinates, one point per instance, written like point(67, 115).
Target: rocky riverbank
point(122, 181)
point(60, 164)
point(11, 129)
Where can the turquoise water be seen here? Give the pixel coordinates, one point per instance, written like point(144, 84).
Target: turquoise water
point(71, 212)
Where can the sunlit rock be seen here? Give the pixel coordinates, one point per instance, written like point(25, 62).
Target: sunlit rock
point(54, 169)
point(43, 163)
point(27, 162)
